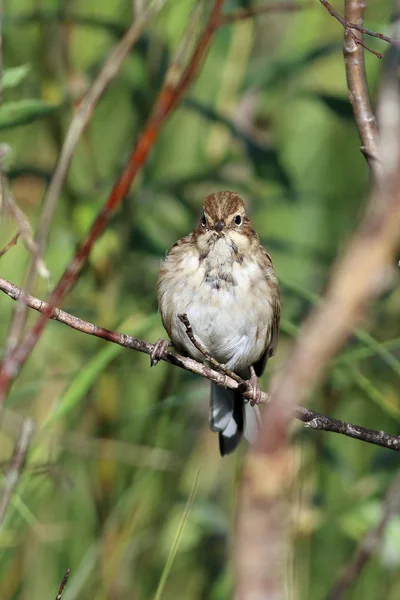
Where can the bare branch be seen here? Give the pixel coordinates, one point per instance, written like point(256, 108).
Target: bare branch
point(221, 368)
point(369, 545)
point(358, 87)
point(218, 375)
point(320, 422)
point(16, 466)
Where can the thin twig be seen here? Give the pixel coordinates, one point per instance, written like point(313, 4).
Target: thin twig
point(63, 584)
point(218, 366)
point(16, 466)
point(369, 544)
point(218, 375)
point(10, 244)
point(76, 128)
point(350, 25)
point(358, 87)
point(166, 102)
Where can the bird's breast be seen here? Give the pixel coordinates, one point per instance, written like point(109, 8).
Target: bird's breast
point(228, 302)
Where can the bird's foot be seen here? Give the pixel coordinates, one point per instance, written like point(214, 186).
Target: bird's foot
point(252, 391)
point(159, 351)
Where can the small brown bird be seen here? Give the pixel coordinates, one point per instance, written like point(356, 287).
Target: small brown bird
point(224, 280)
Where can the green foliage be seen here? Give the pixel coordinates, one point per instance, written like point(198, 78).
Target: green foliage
point(118, 445)
point(23, 112)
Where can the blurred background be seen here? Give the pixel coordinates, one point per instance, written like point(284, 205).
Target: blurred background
point(124, 482)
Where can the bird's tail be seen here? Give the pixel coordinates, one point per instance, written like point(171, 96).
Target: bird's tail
point(232, 418)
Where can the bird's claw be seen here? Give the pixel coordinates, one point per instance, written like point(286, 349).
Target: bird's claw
point(255, 391)
point(159, 351)
point(251, 390)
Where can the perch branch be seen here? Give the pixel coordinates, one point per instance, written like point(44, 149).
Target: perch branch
point(358, 87)
point(169, 96)
point(218, 375)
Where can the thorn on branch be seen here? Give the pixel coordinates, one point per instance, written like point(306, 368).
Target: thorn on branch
point(10, 244)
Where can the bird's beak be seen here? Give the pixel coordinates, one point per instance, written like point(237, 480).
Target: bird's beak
point(219, 225)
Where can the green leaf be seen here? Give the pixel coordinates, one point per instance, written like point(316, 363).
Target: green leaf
point(22, 112)
point(14, 76)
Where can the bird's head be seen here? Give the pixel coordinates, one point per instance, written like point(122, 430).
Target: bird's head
point(224, 217)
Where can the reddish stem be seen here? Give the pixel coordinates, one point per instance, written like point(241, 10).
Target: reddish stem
point(167, 100)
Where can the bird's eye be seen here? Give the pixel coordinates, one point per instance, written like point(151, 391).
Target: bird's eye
point(203, 221)
point(238, 219)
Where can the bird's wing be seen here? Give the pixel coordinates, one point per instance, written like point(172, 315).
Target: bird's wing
point(272, 334)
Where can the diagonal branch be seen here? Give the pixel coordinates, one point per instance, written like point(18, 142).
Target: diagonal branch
point(214, 363)
point(169, 96)
point(218, 375)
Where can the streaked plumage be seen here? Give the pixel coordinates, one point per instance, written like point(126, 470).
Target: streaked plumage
point(224, 280)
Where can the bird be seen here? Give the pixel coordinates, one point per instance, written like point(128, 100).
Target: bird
point(223, 279)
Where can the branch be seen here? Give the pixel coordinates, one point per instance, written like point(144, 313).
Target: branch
point(348, 25)
point(358, 88)
point(369, 545)
point(218, 375)
point(169, 96)
point(16, 466)
point(218, 366)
